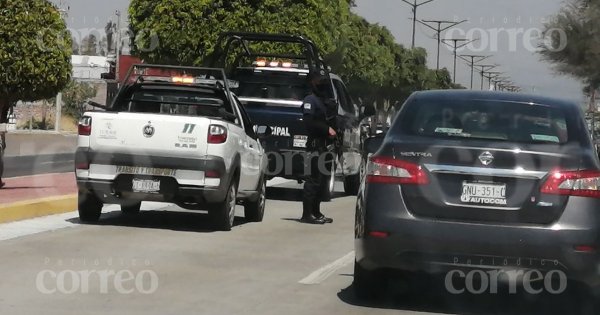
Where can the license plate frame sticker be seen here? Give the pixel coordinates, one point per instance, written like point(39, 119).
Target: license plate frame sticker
point(483, 193)
point(151, 171)
point(300, 141)
point(151, 186)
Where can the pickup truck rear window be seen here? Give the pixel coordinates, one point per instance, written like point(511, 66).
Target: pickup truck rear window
point(487, 120)
point(174, 103)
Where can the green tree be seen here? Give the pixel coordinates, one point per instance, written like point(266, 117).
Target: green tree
point(75, 96)
point(573, 43)
point(90, 46)
point(36, 58)
point(185, 31)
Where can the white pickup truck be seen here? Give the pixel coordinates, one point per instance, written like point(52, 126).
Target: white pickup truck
point(172, 136)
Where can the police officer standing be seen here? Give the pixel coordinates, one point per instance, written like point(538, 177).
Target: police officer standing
point(319, 160)
point(3, 122)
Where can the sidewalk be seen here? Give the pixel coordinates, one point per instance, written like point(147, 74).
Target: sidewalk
point(39, 195)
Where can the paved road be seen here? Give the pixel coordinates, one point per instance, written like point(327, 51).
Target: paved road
point(174, 264)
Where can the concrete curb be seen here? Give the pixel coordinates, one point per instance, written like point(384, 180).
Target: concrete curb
point(30, 209)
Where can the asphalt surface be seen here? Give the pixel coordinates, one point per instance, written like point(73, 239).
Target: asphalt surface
point(279, 266)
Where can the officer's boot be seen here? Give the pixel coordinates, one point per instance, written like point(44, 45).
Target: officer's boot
point(307, 213)
point(317, 213)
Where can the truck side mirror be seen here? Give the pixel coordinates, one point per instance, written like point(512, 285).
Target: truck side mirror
point(263, 131)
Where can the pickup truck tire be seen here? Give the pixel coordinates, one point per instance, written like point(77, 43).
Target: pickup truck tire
point(329, 187)
point(254, 211)
point(89, 207)
point(223, 213)
point(131, 208)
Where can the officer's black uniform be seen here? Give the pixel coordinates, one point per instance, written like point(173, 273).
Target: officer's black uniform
point(3, 120)
point(319, 160)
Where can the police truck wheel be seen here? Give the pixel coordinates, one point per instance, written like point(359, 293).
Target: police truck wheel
point(367, 284)
point(89, 207)
point(223, 213)
point(131, 208)
point(254, 211)
point(329, 188)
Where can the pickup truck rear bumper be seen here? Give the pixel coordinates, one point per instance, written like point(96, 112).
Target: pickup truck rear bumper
point(119, 189)
point(107, 192)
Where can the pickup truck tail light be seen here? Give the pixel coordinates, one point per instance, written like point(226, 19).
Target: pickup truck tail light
point(85, 126)
point(387, 170)
point(573, 183)
point(217, 134)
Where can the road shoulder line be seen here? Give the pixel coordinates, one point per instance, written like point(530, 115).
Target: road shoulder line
point(325, 272)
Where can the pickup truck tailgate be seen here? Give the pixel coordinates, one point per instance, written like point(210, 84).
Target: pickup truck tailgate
point(149, 135)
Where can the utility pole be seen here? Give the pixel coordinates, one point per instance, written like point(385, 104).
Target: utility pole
point(498, 81)
point(439, 29)
point(491, 75)
point(472, 63)
point(455, 47)
point(484, 69)
point(118, 44)
point(415, 5)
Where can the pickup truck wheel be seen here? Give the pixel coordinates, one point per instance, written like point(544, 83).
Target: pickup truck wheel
point(329, 188)
point(132, 208)
point(223, 213)
point(89, 207)
point(254, 211)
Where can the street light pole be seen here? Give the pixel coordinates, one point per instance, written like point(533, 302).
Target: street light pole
point(118, 45)
point(415, 5)
point(491, 75)
point(439, 29)
point(484, 69)
point(472, 63)
point(455, 47)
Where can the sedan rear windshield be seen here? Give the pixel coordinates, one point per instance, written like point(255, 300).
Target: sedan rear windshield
point(484, 120)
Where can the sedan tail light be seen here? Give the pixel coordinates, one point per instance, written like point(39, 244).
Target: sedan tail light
point(85, 126)
point(387, 170)
point(217, 134)
point(573, 183)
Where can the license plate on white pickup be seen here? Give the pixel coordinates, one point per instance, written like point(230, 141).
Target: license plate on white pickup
point(300, 141)
point(137, 170)
point(483, 193)
point(146, 185)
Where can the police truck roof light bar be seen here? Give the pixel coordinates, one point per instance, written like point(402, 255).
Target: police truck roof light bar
point(311, 52)
point(180, 74)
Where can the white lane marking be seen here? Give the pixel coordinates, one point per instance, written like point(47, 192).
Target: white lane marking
point(49, 223)
point(279, 181)
point(325, 272)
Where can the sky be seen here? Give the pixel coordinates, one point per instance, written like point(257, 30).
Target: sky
point(507, 30)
